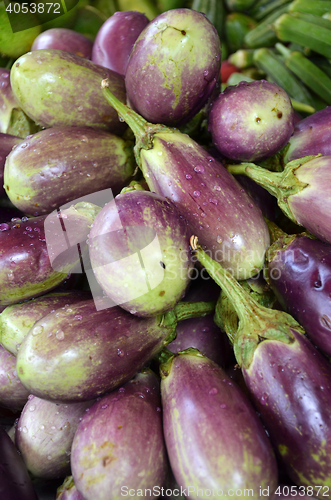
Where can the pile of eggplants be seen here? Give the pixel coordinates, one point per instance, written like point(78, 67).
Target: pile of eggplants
point(132, 361)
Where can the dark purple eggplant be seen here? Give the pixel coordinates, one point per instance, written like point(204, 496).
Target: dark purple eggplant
point(116, 37)
point(13, 394)
point(68, 490)
point(44, 435)
point(18, 319)
point(140, 253)
point(288, 379)
point(7, 100)
point(174, 67)
point(119, 446)
point(312, 136)
point(56, 88)
point(15, 482)
point(64, 39)
point(251, 121)
point(39, 175)
point(87, 352)
point(214, 438)
point(299, 272)
point(7, 142)
point(35, 256)
point(303, 191)
point(230, 226)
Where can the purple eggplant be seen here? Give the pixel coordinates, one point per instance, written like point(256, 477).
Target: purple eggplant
point(214, 438)
point(15, 482)
point(28, 265)
point(303, 191)
point(229, 224)
point(18, 319)
point(171, 73)
point(251, 121)
point(7, 142)
point(44, 435)
point(140, 253)
point(119, 446)
point(116, 37)
point(7, 100)
point(87, 352)
point(13, 394)
point(39, 176)
point(299, 272)
point(56, 88)
point(288, 379)
point(68, 490)
point(312, 136)
point(64, 39)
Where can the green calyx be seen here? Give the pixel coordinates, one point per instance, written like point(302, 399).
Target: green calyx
point(166, 359)
point(256, 322)
point(282, 185)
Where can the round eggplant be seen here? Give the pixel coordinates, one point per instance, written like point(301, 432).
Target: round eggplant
point(64, 39)
point(13, 394)
point(7, 142)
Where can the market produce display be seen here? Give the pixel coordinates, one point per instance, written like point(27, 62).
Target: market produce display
point(165, 249)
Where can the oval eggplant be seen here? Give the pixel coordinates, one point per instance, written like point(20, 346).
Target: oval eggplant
point(116, 37)
point(7, 100)
point(7, 142)
point(64, 39)
point(119, 446)
point(214, 438)
point(44, 435)
point(174, 67)
point(13, 394)
point(140, 254)
point(49, 85)
point(38, 175)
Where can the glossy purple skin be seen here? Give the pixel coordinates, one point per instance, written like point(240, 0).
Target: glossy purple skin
point(312, 136)
point(7, 142)
point(116, 37)
point(213, 436)
point(15, 482)
point(120, 442)
point(144, 224)
point(64, 39)
point(300, 276)
point(311, 207)
point(7, 100)
point(251, 121)
point(86, 352)
point(68, 491)
point(291, 387)
point(171, 74)
point(44, 435)
point(40, 176)
point(219, 212)
point(13, 394)
point(16, 320)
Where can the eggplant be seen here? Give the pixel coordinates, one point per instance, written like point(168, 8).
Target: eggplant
point(15, 482)
point(7, 142)
point(303, 191)
point(16, 320)
point(68, 490)
point(39, 176)
point(230, 226)
point(251, 121)
point(214, 439)
point(312, 136)
point(7, 100)
point(119, 446)
point(140, 254)
point(87, 352)
point(115, 39)
point(31, 266)
point(299, 272)
point(171, 73)
point(44, 435)
point(49, 85)
point(289, 381)
point(13, 394)
point(64, 39)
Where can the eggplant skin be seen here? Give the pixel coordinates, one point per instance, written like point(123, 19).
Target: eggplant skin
point(13, 394)
point(300, 275)
point(291, 388)
point(213, 436)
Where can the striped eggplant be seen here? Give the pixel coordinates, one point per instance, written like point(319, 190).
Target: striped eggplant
point(68, 490)
point(7, 142)
point(13, 394)
point(7, 100)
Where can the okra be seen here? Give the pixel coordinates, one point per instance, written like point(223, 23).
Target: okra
point(311, 18)
point(214, 11)
point(239, 5)
point(237, 25)
point(264, 35)
point(316, 7)
point(263, 8)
